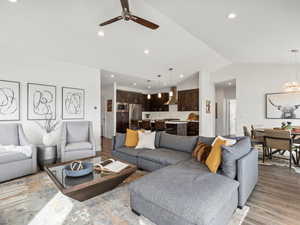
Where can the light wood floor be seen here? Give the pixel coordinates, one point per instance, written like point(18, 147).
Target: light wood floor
point(275, 200)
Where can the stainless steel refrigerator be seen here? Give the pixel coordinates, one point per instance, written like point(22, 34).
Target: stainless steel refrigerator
point(129, 117)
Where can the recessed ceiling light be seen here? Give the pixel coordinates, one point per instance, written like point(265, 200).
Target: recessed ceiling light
point(231, 16)
point(146, 51)
point(101, 33)
point(134, 84)
point(181, 76)
point(112, 75)
point(229, 83)
point(13, 1)
point(149, 87)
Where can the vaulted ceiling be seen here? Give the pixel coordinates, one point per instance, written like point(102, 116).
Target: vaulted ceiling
point(263, 32)
point(193, 34)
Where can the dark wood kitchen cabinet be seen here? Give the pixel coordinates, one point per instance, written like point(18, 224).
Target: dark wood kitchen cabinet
point(188, 100)
point(156, 104)
point(193, 129)
point(131, 97)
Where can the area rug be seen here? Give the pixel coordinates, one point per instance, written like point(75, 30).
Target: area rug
point(34, 200)
point(278, 162)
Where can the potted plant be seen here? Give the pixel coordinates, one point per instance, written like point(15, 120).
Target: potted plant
point(49, 126)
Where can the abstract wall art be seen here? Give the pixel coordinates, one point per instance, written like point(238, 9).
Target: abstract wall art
point(41, 101)
point(9, 100)
point(73, 103)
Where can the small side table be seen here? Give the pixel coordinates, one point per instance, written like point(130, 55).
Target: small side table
point(47, 155)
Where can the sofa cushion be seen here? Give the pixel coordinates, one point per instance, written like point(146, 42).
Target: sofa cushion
point(79, 146)
point(132, 138)
point(146, 140)
point(214, 159)
point(77, 132)
point(187, 189)
point(231, 154)
point(7, 157)
point(206, 140)
point(179, 143)
point(130, 151)
point(164, 156)
point(9, 134)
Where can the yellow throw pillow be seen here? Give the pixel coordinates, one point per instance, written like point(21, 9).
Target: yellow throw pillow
point(214, 159)
point(132, 138)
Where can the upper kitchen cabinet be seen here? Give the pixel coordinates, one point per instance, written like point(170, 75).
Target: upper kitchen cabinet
point(130, 97)
point(188, 100)
point(156, 104)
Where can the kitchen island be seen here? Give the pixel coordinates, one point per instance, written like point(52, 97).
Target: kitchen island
point(177, 127)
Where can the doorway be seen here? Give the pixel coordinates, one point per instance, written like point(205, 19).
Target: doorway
point(226, 108)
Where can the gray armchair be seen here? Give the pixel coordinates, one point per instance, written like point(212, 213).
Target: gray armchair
point(77, 141)
point(15, 164)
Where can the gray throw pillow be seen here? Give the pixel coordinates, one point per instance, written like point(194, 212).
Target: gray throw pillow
point(230, 155)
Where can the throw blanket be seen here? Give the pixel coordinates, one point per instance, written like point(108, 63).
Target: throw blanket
point(26, 150)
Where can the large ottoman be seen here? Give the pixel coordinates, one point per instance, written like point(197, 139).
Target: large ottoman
point(185, 194)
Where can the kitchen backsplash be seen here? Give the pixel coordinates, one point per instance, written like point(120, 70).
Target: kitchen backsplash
point(172, 114)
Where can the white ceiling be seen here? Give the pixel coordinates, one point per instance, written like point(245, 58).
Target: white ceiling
point(66, 30)
point(263, 31)
point(140, 83)
point(193, 35)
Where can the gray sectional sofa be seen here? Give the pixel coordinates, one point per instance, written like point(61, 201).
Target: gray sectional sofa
point(15, 164)
point(182, 191)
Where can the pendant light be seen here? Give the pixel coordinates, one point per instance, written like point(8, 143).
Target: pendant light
point(148, 96)
point(171, 92)
point(159, 95)
point(293, 86)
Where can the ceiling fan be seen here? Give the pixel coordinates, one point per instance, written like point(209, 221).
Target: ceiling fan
point(126, 15)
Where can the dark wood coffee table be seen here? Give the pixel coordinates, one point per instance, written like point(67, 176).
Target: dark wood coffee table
point(83, 188)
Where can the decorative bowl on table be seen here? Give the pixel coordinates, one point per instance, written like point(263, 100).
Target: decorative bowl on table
point(86, 169)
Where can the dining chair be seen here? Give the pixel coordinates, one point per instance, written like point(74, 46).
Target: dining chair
point(160, 125)
point(146, 124)
point(281, 141)
point(254, 141)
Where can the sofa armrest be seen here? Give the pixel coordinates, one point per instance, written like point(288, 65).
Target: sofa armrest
point(247, 175)
point(92, 139)
point(34, 158)
point(118, 141)
point(22, 137)
point(61, 148)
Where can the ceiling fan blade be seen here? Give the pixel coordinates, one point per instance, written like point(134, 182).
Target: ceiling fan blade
point(144, 22)
point(111, 21)
point(125, 5)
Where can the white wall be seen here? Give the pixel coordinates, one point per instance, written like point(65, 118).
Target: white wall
point(253, 81)
point(221, 95)
point(107, 93)
point(206, 93)
point(58, 74)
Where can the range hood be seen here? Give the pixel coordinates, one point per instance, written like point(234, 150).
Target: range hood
point(172, 99)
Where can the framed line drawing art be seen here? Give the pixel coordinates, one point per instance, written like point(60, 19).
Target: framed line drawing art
point(9, 100)
point(73, 103)
point(41, 101)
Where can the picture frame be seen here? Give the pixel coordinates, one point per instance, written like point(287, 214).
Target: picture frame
point(41, 101)
point(10, 100)
point(73, 103)
point(282, 105)
point(208, 106)
point(109, 105)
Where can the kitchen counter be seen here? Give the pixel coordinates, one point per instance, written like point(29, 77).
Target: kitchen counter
point(173, 121)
